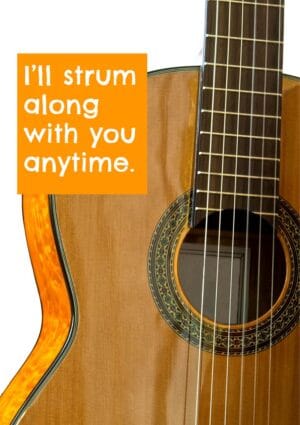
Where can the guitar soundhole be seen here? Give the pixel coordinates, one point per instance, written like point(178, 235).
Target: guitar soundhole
point(236, 275)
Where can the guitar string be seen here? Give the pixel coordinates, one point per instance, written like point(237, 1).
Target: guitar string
point(199, 368)
point(220, 218)
point(259, 253)
point(233, 217)
point(219, 223)
point(185, 410)
point(279, 82)
point(264, 101)
point(245, 277)
point(239, 91)
point(231, 280)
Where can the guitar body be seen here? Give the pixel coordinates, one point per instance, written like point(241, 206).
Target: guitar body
point(127, 365)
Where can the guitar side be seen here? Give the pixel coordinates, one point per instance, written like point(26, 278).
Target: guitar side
point(59, 311)
point(126, 363)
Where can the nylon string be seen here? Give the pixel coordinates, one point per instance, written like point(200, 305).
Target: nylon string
point(279, 65)
point(234, 214)
point(220, 220)
point(260, 222)
point(199, 368)
point(263, 138)
point(247, 223)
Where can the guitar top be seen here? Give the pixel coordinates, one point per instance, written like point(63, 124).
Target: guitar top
point(180, 307)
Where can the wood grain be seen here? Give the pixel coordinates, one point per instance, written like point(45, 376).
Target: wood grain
point(126, 365)
point(55, 303)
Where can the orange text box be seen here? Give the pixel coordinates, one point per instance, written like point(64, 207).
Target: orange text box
point(82, 123)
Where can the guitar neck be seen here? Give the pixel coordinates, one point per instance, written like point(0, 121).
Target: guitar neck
point(237, 153)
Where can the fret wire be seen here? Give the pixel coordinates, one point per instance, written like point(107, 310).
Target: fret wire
point(265, 213)
point(228, 65)
point(208, 90)
point(248, 136)
point(256, 195)
point(263, 93)
point(243, 176)
point(219, 210)
point(259, 158)
point(241, 113)
point(205, 209)
point(259, 40)
point(248, 2)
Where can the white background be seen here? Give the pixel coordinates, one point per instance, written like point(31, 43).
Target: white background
point(170, 31)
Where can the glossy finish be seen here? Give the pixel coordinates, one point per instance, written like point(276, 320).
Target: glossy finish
point(127, 366)
point(56, 308)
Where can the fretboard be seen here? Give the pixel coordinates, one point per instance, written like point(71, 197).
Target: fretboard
point(237, 152)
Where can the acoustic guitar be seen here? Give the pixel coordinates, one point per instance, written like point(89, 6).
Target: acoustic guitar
point(180, 307)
